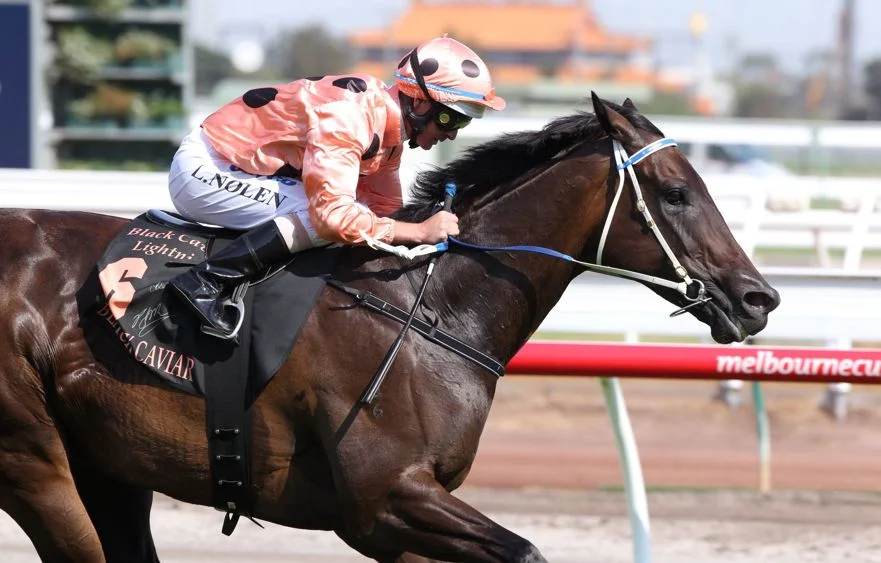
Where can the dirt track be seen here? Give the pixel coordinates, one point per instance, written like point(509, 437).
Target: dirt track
point(555, 432)
point(547, 468)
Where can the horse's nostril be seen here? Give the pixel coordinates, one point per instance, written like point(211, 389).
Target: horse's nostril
point(765, 300)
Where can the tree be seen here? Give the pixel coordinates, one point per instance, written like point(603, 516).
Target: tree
point(666, 103)
point(757, 100)
point(758, 68)
point(309, 51)
point(762, 88)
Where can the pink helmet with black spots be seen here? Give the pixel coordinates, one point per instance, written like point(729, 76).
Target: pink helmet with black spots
point(454, 76)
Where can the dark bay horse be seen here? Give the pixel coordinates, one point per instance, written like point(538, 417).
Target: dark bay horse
point(86, 435)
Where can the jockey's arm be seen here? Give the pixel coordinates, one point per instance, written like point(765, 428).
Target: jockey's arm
point(381, 191)
point(434, 229)
point(331, 168)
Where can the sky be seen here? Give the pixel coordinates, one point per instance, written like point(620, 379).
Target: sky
point(789, 29)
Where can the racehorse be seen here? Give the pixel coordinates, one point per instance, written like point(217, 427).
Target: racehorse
point(86, 436)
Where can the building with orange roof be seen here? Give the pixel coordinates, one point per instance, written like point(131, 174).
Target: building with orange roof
point(525, 43)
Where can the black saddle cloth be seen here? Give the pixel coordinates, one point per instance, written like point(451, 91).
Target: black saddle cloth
point(161, 333)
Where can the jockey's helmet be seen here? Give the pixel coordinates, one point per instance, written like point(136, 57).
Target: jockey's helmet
point(448, 72)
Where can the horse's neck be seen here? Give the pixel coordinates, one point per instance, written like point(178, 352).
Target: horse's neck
point(497, 299)
point(495, 305)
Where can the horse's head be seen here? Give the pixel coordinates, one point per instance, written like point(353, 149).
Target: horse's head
point(678, 232)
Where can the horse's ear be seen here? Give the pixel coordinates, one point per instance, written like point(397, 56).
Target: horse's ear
point(613, 123)
point(628, 103)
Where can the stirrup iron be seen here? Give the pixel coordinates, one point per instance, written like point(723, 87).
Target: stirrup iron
point(237, 301)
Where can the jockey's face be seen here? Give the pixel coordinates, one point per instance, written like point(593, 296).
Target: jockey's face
point(432, 134)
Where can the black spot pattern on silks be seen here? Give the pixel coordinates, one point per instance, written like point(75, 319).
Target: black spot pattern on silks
point(372, 149)
point(404, 60)
point(429, 66)
point(259, 97)
point(470, 68)
point(314, 78)
point(288, 171)
point(351, 83)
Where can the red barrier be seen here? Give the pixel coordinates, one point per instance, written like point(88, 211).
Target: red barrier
point(663, 361)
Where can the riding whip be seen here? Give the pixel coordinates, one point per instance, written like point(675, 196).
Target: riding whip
point(373, 388)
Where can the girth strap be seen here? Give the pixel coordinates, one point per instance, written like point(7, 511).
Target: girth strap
point(429, 331)
point(228, 422)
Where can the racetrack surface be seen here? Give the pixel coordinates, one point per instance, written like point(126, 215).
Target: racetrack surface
point(547, 469)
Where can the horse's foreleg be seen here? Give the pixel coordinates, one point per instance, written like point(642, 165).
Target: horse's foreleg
point(419, 516)
point(36, 486)
point(120, 514)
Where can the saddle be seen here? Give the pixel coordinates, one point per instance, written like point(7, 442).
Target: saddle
point(161, 333)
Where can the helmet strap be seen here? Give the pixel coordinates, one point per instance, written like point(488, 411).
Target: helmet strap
point(418, 123)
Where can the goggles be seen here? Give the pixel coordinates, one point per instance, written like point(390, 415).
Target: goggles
point(450, 120)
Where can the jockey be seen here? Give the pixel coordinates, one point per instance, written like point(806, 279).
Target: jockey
point(316, 161)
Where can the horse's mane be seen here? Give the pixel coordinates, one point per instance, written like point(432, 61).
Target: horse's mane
point(508, 157)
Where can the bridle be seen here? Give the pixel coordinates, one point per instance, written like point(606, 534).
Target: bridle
point(624, 162)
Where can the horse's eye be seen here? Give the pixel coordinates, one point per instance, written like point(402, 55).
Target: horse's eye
point(675, 196)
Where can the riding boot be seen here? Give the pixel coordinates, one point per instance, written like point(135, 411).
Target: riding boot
point(207, 288)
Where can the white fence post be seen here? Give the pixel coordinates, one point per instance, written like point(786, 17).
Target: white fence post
point(837, 398)
point(637, 503)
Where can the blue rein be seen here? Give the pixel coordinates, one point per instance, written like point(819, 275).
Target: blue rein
point(515, 248)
